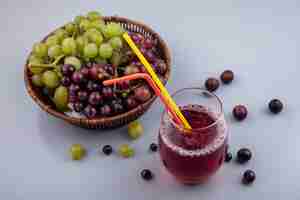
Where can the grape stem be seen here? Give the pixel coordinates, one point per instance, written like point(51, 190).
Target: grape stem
point(52, 65)
point(41, 65)
point(58, 59)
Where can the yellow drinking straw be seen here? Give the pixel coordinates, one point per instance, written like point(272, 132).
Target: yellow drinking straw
point(156, 80)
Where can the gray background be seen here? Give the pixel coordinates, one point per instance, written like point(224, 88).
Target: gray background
point(258, 40)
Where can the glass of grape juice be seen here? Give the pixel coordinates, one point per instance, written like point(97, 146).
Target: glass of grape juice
point(193, 156)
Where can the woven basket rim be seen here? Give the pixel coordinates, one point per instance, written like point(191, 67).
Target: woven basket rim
point(99, 120)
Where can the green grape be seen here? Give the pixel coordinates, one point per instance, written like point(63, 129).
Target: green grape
point(70, 28)
point(50, 79)
point(135, 130)
point(77, 151)
point(113, 30)
point(40, 50)
point(80, 43)
point(100, 60)
point(126, 151)
point(69, 46)
point(60, 98)
point(93, 15)
point(73, 61)
point(98, 24)
point(116, 42)
point(37, 80)
point(52, 40)
point(78, 19)
point(116, 58)
point(85, 25)
point(102, 28)
point(90, 31)
point(33, 60)
point(55, 51)
point(57, 70)
point(94, 36)
point(61, 34)
point(90, 50)
point(36, 70)
point(105, 51)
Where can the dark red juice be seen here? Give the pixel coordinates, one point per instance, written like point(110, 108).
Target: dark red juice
point(193, 156)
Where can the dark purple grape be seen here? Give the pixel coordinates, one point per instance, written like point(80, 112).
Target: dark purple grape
point(228, 157)
point(150, 56)
point(143, 51)
point(82, 95)
point(105, 110)
point(153, 147)
point(146, 174)
point(73, 98)
point(95, 98)
point(98, 73)
point(131, 102)
point(96, 87)
point(124, 85)
point(89, 86)
point(107, 92)
point(93, 72)
point(131, 69)
point(248, 177)
point(89, 65)
point(109, 69)
point(212, 84)
point(90, 111)
point(78, 78)
point(161, 67)
point(116, 101)
point(85, 72)
point(136, 63)
point(155, 65)
point(227, 76)
point(142, 93)
point(93, 86)
point(73, 89)
point(142, 69)
point(275, 106)
point(67, 70)
point(148, 43)
point(162, 79)
point(129, 55)
point(117, 107)
point(137, 38)
point(107, 150)
point(65, 81)
point(243, 155)
point(78, 106)
point(240, 112)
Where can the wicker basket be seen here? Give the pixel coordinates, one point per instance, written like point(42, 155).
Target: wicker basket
point(107, 122)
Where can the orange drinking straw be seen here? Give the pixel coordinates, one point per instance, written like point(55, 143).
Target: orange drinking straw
point(151, 83)
point(170, 103)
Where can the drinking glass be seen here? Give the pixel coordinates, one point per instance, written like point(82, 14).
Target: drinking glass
point(193, 156)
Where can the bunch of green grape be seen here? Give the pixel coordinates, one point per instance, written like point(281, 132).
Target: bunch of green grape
point(85, 39)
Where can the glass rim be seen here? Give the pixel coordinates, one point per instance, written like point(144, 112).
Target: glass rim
point(220, 114)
